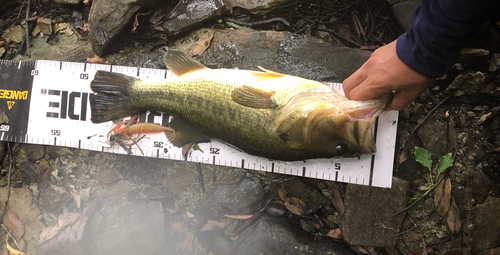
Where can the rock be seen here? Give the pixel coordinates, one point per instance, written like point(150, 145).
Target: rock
point(274, 235)
point(283, 52)
point(261, 7)
point(33, 151)
point(486, 225)
point(44, 25)
point(132, 227)
point(296, 187)
point(465, 83)
point(368, 219)
point(107, 19)
point(54, 197)
point(474, 58)
point(66, 1)
point(15, 35)
point(236, 196)
point(403, 11)
point(69, 48)
point(21, 203)
point(140, 57)
point(433, 134)
point(495, 251)
point(108, 176)
point(191, 13)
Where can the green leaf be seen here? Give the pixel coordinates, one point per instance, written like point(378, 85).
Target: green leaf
point(196, 147)
point(445, 162)
point(417, 205)
point(423, 156)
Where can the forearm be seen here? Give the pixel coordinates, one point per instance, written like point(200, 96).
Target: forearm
point(440, 29)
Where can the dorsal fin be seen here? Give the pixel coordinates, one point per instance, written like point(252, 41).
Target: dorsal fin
point(179, 63)
point(266, 74)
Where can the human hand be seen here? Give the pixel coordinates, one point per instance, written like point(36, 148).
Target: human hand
point(384, 73)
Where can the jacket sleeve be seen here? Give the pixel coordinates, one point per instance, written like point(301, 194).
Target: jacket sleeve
point(440, 29)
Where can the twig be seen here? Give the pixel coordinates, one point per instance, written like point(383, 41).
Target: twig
point(9, 153)
point(257, 23)
point(424, 252)
point(408, 138)
point(340, 36)
point(28, 52)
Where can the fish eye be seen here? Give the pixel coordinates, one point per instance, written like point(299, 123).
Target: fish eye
point(341, 149)
point(112, 138)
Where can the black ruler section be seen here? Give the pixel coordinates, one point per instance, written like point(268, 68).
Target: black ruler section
point(16, 80)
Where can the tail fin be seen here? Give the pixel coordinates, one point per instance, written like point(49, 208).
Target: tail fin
point(112, 99)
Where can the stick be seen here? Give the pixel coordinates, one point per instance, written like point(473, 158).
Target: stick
point(28, 52)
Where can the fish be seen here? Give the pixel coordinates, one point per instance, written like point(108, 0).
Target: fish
point(264, 113)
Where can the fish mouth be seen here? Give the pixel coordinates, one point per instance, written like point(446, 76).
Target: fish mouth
point(362, 118)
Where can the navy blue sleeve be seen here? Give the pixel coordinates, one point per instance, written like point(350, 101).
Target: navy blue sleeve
point(440, 29)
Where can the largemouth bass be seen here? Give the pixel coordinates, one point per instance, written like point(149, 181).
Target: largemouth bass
point(264, 113)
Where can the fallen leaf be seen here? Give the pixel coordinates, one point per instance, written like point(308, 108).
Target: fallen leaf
point(86, 2)
point(213, 225)
point(14, 225)
point(337, 201)
point(65, 236)
point(296, 206)
point(443, 196)
point(97, 60)
point(282, 193)
point(85, 27)
point(335, 233)
point(238, 217)
point(362, 250)
point(309, 226)
point(179, 226)
point(453, 219)
point(136, 24)
point(11, 250)
point(202, 44)
point(187, 244)
point(76, 196)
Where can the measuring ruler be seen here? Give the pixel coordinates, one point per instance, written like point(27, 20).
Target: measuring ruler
point(48, 103)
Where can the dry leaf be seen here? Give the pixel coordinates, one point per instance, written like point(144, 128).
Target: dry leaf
point(335, 233)
point(337, 200)
point(443, 196)
point(65, 236)
point(179, 226)
point(213, 225)
point(454, 221)
point(238, 217)
point(11, 250)
point(76, 196)
point(86, 2)
point(136, 24)
point(14, 225)
point(282, 193)
point(97, 60)
point(187, 244)
point(362, 250)
point(296, 206)
point(202, 44)
point(309, 226)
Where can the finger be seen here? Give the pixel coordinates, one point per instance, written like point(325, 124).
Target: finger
point(353, 81)
point(402, 98)
point(366, 91)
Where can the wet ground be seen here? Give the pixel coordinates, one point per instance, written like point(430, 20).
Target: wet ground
point(98, 203)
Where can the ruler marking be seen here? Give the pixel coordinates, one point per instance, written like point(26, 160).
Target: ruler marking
point(158, 153)
point(84, 67)
point(79, 144)
point(53, 92)
point(242, 163)
point(55, 141)
point(372, 165)
point(60, 65)
point(3, 134)
point(304, 172)
point(213, 162)
point(138, 71)
point(272, 167)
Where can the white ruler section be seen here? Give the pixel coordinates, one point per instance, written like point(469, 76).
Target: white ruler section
point(59, 115)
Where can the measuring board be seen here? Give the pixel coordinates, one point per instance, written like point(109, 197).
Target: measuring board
point(48, 103)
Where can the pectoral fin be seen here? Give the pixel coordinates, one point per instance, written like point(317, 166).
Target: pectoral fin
point(253, 97)
point(181, 134)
